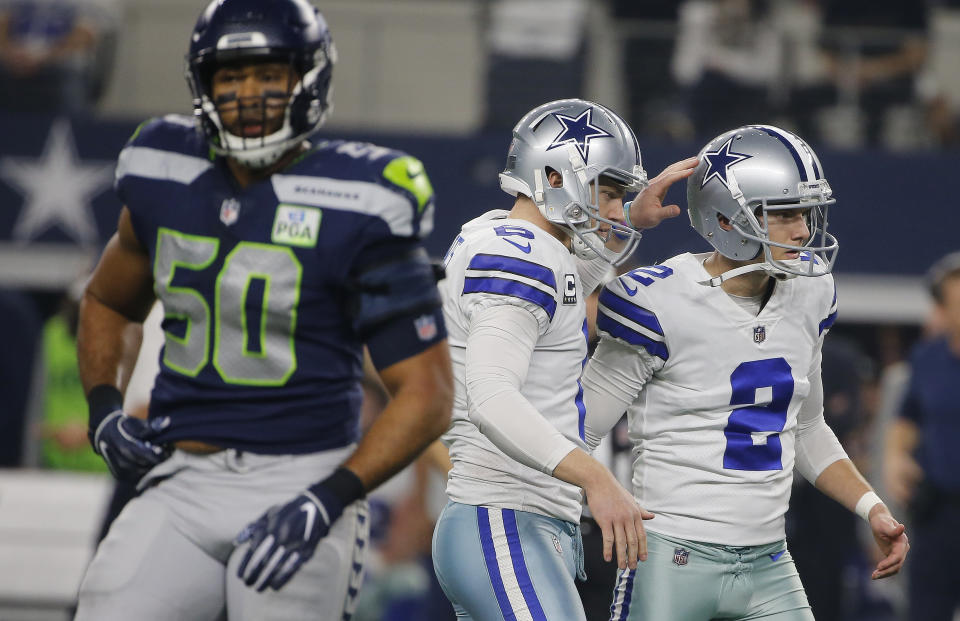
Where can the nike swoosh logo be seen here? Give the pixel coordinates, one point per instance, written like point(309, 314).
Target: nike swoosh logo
point(525, 249)
point(776, 557)
point(630, 290)
point(311, 510)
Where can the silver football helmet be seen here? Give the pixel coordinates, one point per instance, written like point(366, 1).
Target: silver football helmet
point(749, 171)
point(582, 141)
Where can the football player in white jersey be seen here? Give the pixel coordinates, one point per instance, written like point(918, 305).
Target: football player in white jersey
point(508, 544)
point(716, 358)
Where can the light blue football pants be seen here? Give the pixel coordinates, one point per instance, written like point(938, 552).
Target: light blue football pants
point(685, 580)
point(502, 564)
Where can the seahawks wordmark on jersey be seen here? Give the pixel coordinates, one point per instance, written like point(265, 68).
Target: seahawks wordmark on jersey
point(713, 430)
point(496, 260)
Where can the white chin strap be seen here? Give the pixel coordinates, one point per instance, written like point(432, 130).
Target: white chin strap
point(772, 270)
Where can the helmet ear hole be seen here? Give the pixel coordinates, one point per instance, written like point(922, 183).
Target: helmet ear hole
point(554, 178)
point(724, 222)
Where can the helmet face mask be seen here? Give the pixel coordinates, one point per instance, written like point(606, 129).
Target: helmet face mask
point(589, 146)
point(242, 33)
point(749, 173)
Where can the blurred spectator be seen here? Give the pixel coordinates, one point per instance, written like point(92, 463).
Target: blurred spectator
point(536, 54)
point(399, 583)
point(53, 54)
point(647, 49)
point(64, 427)
point(821, 533)
point(17, 361)
point(874, 51)
point(940, 83)
point(922, 462)
point(727, 58)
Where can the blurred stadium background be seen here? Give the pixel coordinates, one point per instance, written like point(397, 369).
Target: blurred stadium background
point(874, 86)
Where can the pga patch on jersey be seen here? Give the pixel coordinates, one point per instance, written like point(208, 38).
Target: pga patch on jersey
point(296, 225)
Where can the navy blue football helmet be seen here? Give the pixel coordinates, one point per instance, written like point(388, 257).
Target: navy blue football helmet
point(239, 31)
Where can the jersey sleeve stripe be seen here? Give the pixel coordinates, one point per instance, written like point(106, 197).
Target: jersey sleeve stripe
point(158, 164)
point(513, 288)
point(363, 197)
point(615, 329)
point(636, 314)
point(827, 323)
point(512, 265)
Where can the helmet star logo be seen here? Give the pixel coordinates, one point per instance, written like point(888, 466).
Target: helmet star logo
point(578, 131)
point(720, 161)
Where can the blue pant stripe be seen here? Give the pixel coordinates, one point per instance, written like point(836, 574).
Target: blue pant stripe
point(520, 566)
point(493, 570)
point(620, 608)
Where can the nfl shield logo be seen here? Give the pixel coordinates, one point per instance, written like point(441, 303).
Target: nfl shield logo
point(426, 327)
point(229, 211)
point(759, 334)
point(680, 556)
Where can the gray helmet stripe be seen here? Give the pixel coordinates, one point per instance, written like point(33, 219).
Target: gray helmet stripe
point(804, 175)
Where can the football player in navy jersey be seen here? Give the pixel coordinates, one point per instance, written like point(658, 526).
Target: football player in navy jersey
point(276, 260)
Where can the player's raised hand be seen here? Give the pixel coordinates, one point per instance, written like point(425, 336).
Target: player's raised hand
point(125, 443)
point(286, 536)
point(647, 209)
point(891, 538)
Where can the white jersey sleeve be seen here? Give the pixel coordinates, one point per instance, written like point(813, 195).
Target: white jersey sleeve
point(612, 379)
point(501, 342)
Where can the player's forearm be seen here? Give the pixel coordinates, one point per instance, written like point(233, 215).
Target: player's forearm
point(581, 470)
point(843, 482)
point(417, 414)
point(107, 344)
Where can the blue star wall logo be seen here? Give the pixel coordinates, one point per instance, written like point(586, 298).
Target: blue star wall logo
point(579, 131)
point(720, 161)
point(57, 188)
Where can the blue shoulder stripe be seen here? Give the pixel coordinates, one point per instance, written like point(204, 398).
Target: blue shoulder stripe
point(513, 288)
point(634, 313)
point(513, 265)
point(614, 328)
point(827, 323)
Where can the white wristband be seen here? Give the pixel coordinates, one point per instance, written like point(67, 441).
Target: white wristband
point(867, 501)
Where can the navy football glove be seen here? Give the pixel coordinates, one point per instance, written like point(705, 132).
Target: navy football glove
point(124, 442)
point(286, 536)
